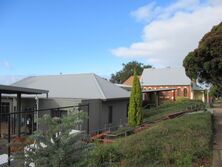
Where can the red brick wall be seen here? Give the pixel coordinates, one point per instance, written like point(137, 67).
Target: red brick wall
point(169, 94)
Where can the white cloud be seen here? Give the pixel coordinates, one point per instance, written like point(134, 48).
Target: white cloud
point(173, 32)
point(151, 11)
point(145, 12)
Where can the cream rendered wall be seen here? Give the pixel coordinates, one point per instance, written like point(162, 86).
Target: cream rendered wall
point(199, 95)
point(191, 95)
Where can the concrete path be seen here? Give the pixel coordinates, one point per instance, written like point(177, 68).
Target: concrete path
point(217, 148)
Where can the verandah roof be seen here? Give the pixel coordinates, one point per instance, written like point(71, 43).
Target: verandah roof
point(21, 90)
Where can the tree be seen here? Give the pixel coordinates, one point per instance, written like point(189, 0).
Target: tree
point(214, 92)
point(56, 146)
point(127, 71)
point(205, 62)
point(135, 115)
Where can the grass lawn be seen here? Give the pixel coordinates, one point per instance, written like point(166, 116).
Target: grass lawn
point(180, 142)
point(169, 107)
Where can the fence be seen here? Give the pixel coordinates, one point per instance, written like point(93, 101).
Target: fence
point(18, 125)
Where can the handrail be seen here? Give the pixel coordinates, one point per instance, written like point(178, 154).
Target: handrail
point(46, 109)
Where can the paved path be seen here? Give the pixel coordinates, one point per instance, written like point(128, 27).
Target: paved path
point(217, 148)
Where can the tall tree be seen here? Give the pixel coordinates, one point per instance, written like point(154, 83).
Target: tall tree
point(135, 115)
point(127, 71)
point(205, 62)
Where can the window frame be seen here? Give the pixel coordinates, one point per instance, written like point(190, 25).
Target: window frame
point(185, 92)
point(179, 92)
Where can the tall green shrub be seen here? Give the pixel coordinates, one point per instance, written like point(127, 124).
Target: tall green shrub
point(135, 115)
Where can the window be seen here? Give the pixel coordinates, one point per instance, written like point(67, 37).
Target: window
point(55, 113)
point(185, 92)
point(178, 92)
point(58, 113)
point(110, 116)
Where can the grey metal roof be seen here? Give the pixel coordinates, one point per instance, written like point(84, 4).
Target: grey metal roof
point(81, 86)
point(164, 76)
point(197, 87)
point(15, 89)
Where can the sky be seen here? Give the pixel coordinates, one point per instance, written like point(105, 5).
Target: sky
point(44, 37)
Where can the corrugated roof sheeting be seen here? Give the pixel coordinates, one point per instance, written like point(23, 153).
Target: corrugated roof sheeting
point(83, 86)
point(164, 76)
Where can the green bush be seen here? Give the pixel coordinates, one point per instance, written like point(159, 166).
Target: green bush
point(54, 146)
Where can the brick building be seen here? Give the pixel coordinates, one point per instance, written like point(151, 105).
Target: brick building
point(167, 78)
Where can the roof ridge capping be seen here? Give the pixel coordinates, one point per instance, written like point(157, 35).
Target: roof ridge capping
point(98, 85)
point(55, 75)
point(110, 90)
point(49, 75)
point(26, 78)
point(163, 68)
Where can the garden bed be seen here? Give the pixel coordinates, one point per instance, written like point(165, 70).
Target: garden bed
point(172, 107)
point(121, 132)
